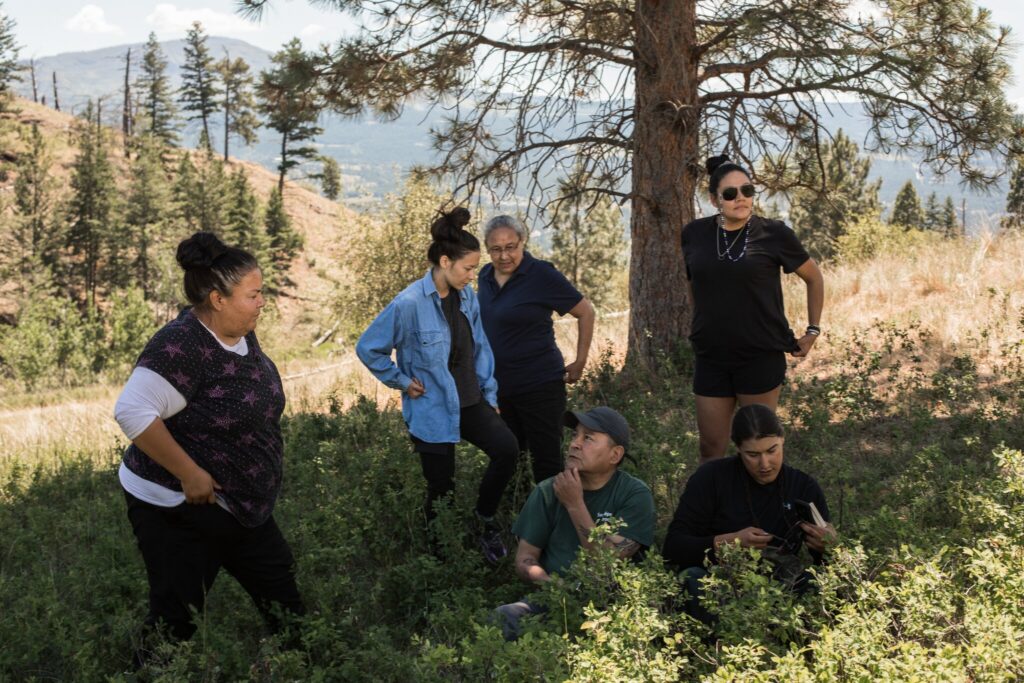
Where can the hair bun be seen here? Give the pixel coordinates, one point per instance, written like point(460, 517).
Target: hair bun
point(448, 226)
point(714, 162)
point(199, 251)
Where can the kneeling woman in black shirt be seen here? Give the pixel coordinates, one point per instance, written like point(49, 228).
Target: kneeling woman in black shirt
point(752, 497)
point(739, 331)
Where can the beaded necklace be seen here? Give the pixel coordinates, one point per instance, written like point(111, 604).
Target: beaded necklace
point(743, 232)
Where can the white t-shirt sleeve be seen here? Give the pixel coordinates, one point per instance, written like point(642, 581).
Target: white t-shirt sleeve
point(145, 397)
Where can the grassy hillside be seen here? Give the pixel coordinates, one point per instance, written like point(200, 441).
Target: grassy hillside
point(304, 307)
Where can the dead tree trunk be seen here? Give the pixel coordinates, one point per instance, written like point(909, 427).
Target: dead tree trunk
point(126, 112)
point(56, 99)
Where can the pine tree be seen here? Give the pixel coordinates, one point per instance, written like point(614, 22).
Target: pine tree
point(238, 104)
point(906, 211)
point(147, 213)
point(153, 90)
point(282, 241)
point(587, 240)
point(1014, 218)
point(832, 191)
point(290, 106)
point(330, 178)
point(92, 205)
point(210, 194)
point(198, 92)
point(9, 67)
point(186, 184)
point(932, 216)
point(243, 226)
point(34, 243)
point(949, 222)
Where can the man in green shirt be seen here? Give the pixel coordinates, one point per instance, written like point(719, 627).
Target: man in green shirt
point(561, 511)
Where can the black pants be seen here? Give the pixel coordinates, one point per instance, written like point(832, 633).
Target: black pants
point(184, 548)
point(535, 417)
point(479, 425)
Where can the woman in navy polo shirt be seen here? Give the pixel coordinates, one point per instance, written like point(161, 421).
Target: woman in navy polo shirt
point(445, 372)
point(517, 295)
point(739, 331)
point(203, 410)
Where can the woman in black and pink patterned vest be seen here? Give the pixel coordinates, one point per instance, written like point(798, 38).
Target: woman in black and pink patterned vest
point(202, 409)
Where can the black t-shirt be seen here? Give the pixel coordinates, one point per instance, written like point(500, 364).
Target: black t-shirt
point(721, 498)
point(460, 360)
point(738, 312)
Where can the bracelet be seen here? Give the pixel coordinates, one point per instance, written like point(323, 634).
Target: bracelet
point(814, 330)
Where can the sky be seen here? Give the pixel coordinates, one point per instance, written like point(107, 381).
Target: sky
point(48, 27)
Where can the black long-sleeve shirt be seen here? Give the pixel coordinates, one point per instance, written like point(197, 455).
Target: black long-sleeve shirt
point(721, 498)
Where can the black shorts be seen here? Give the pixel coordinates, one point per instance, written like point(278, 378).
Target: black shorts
point(757, 375)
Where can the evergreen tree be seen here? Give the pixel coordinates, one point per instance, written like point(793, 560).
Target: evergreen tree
point(906, 210)
point(1014, 217)
point(291, 107)
point(210, 198)
point(642, 91)
point(243, 226)
point(832, 191)
point(283, 243)
point(238, 104)
point(198, 92)
point(33, 244)
point(92, 205)
point(9, 67)
point(330, 178)
point(950, 225)
point(387, 252)
point(153, 90)
point(186, 184)
point(147, 213)
point(587, 240)
point(932, 217)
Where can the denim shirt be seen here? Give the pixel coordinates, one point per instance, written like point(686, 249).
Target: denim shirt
point(414, 325)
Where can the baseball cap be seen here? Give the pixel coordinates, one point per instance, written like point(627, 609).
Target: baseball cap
point(601, 419)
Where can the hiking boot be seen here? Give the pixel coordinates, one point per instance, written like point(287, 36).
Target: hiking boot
point(490, 542)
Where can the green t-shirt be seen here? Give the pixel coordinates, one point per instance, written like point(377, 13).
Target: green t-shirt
point(545, 523)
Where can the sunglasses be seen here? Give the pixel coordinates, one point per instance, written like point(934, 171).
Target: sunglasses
point(730, 193)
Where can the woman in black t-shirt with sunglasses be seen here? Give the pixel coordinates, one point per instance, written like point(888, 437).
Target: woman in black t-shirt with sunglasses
point(739, 331)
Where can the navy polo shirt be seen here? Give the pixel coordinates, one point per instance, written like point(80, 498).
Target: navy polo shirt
point(517, 321)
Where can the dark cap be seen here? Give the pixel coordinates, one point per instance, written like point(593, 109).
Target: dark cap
point(601, 419)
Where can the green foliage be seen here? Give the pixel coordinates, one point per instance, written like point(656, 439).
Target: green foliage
point(906, 210)
point(9, 67)
point(157, 111)
point(238, 104)
point(198, 91)
point(282, 240)
point(388, 251)
point(291, 106)
point(588, 243)
point(832, 191)
point(91, 209)
point(950, 224)
point(243, 225)
point(867, 237)
point(147, 216)
point(1015, 198)
point(330, 178)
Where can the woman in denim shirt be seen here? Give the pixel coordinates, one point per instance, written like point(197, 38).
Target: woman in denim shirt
point(445, 371)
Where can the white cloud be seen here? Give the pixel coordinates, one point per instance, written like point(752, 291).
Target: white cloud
point(312, 30)
point(167, 18)
point(91, 19)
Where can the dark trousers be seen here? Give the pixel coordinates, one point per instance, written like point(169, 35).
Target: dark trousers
point(535, 417)
point(479, 425)
point(184, 548)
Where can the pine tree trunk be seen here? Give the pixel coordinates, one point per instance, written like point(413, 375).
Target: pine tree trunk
point(283, 167)
point(227, 118)
point(126, 112)
point(666, 162)
point(32, 70)
point(56, 100)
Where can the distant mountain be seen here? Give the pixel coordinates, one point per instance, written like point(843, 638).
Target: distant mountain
point(373, 154)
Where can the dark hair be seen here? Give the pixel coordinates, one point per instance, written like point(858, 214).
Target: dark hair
point(210, 265)
point(450, 239)
point(755, 421)
point(719, 167)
